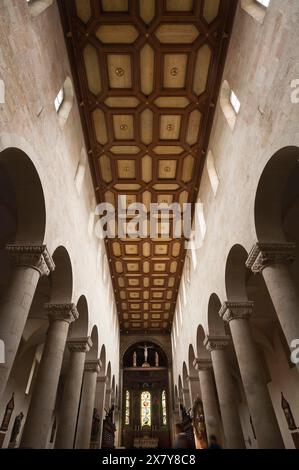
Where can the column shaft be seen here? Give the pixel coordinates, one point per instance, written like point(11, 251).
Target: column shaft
point(71, 394)
point(285, 299)
point(227, 400)
point(31, 262)
point(100, 405)
point(273, 260)
point(42, 404)
point(256, 390)
point(210, 405)
point(87, 405)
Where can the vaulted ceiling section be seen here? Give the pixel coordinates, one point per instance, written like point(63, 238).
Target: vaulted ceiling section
point(147, 75)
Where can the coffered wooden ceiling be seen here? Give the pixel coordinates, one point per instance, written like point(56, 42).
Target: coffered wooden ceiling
point(147, 76)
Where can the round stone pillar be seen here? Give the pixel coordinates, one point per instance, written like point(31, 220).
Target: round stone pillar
point(42, 404)
point(71, 393)
point(100, 406)
point(31, 262)
point(194, 388)
point(226, 394)
point(186, 399)
point(256, 390)
point(91, 371)
point(209, 398)
point(272, 260)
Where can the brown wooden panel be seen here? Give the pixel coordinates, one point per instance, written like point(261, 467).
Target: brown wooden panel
point(147, 75)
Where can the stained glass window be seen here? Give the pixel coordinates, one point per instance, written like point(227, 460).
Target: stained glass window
point(127, 408)
point(164, 411)
point(146, 412)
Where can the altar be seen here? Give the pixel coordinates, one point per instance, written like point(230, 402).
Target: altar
point(146, 442)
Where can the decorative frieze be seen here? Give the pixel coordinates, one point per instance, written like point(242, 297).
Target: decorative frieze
point(79, 344)
point(213, 343)
point(267, 254)
point(236, 310)
point(32, 256)
point(62, 312)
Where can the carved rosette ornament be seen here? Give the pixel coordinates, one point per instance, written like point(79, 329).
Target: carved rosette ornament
point(62, 312)
point(202, 364)
point(93, 366)
point(267, 254)
point(236, 311)
point(32, 256)
point(216, 343)
point(79, 344)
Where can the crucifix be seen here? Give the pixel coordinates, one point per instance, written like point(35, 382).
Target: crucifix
point(145, 348)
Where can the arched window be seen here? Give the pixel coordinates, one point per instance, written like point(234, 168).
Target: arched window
point(146, 408)
point(64, 101)
point(256, 8)
point(80, 171)
point(212, 172)
point(229, 104)
point(127, 408)
point(36, 7)
point(164, 409)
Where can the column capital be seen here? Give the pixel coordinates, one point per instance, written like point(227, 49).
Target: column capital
point(216, 343)
point(32, 256)
point(236, 310)
point(266, 254)
point(202, 364)
point(62, 312)
point(93, 365)
point(79, 344)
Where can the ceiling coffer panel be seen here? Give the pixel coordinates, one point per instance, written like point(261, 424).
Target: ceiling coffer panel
point(147, 75)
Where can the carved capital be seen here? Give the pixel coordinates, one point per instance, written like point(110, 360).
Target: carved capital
point(236, 311)
point(267, 254)
point(62, 312)
point(79, 344)
point(217, 343)
point(202, 364)
point(93, 366)
point(32, 256)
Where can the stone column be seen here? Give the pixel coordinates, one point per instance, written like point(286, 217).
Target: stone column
point(173, 414)
point(92, 369)
point(71, 393)
point(256, 390)
point(108, 398)
point(42, 404)
point(226, 394)
point(31, 262)
point(273, 260)
point(100, 404)
point(186, 399)
point(209, 398)
point(180, 403)
point(194, 388)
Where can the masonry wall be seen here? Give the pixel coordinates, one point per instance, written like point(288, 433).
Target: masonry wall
point(33, 66)
point(262, 62)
